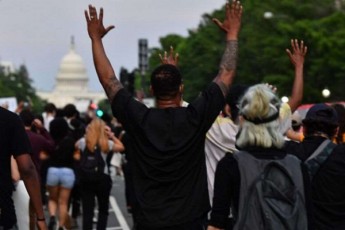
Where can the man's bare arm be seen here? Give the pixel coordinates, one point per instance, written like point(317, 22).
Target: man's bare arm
point(228, 64)
point(297, 56)
point(103, 66)
point(28, 174)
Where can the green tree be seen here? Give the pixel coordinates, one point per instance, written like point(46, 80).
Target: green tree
point(19, 85)
point(263, 41)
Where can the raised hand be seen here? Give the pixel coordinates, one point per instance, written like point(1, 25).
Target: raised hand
point(297, 55)
point(232, 22)
point(171, 59)
point(95, 25)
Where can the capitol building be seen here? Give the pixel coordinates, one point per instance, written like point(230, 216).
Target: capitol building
point(72, 84)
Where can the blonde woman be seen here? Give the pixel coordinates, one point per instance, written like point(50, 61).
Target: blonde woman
point(261, 150)
point(98, 141)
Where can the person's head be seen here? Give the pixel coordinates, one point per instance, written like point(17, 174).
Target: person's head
point(96, 135)
point(166, 82)
point(58, 128)
point(70, 111)
point(259, 126)
point(320, 119)
point(50, 108)
point(233, 98)
point(27, 117)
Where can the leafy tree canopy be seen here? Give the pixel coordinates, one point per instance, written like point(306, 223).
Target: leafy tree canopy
point(267, 29)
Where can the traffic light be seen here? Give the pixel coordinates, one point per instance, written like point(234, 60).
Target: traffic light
point(99, 113)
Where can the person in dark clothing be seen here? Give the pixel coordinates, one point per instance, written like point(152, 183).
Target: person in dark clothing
point(42, 145)
point(169, 171)
point(259, 136)
point(328, 184)
point(14, 142)
point(97, 186)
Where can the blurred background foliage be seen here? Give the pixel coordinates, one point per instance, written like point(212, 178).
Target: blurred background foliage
point(267, 28)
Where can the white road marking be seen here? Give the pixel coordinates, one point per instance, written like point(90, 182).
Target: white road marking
point(118, 213)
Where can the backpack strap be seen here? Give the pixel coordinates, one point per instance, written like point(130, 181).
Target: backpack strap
point(319, 156)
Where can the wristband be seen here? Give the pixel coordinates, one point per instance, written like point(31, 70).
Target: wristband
point(41, 219)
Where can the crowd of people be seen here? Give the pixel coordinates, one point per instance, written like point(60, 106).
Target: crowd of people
point(234, 158)
point(57, 154)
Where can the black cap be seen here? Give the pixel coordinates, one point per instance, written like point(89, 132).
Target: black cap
point(321, 113)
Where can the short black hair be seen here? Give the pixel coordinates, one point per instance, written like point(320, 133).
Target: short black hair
point(58, 128)
point(165, 81)
point(313, 127)
point(50, 107)
point(233, 98)
point(27, 117)
point(70, 110)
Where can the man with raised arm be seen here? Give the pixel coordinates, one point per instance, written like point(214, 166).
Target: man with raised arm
point(169, 172)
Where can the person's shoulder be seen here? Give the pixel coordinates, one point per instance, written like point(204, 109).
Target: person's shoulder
point(340, 149)
point(121, 95)
point(6, 114)
point(214, 88)
point(291, 145)
point(228, 159)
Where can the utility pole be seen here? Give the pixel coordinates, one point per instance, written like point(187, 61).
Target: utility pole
point(143, 59)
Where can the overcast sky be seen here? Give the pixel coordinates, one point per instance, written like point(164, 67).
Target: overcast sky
point(38, 32)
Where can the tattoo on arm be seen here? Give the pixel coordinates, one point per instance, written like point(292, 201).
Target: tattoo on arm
point(229, 59)
point(111, 87)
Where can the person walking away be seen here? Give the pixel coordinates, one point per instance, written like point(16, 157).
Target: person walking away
point(169, 171)
point(42, 145)
point(95, 182)
point(60, 175)
point(326, 164)
point(265, 187)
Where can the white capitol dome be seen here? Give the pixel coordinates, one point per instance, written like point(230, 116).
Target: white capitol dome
point(72, 72)
point(72, 66)
point(72, 83)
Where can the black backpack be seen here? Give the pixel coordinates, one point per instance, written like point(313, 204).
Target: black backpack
point(271, 194)
point(91, 164)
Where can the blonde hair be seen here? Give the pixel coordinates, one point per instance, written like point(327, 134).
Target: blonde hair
point(259, 108)
point(96, 136)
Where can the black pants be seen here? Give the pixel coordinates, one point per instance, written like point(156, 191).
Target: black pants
point(99, 189)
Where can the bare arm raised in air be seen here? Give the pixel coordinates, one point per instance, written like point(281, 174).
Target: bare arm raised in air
point(297, 56)
point(103, 66)
point(231, 26)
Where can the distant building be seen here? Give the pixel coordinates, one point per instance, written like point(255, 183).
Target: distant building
point(72, 84)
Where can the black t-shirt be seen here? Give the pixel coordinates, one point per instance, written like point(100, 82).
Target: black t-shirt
point(327, 186)
point(13, 141)
point(62, 156)
point(228, 182)
point(169, 171)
